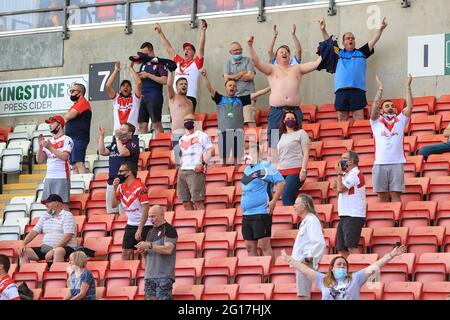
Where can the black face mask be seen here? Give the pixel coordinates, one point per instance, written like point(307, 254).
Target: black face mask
point(122, 178)
point(55, 131)
point(74, 98)
point(189, 125)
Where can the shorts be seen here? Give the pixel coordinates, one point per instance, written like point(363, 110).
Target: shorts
point(274, 119)
point(249, 112)
point(303, 283)
point(231, 142)
point(194, 101)
point(351, 99)
point(349, 232)
point(60, 187)
point(150, 108)
point(159, 288)
point(78, 153)
point(257, 226)
point(388, 178)
point(109, 193)
point(191, 186)
point(128, 237)
point(41, 254)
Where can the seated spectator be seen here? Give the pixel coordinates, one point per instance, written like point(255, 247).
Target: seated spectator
point(293, 155)
point(133, 195)
point(338, 283)
point(297, 59)
point(438, 148)
point(81, 282)
point(8, 289)
point(196, 150)
point(230, 118)
point(124, 146)
point(58, 227)
point(125, 102)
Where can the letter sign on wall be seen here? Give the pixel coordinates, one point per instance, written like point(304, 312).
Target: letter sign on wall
point(428, 55)
point(98, 75)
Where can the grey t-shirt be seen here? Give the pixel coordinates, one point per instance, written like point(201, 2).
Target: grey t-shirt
point(233, 106)
point(233, 67)
point(290, 150)
point(342, 290)
point(160, 265)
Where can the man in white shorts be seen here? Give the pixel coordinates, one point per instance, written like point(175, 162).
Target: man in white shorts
point(388, 129)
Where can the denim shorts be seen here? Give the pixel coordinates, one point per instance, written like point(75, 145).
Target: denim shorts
point(160, 288)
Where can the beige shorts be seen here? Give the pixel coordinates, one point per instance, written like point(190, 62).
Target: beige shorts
point(249, 112)
point(191, 186)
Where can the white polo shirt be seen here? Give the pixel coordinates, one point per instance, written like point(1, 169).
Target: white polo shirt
point(353, 202)
point(54, 227)
point(388, 137)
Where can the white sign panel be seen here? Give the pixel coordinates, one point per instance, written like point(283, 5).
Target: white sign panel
point(37, 96)
point(426, 55)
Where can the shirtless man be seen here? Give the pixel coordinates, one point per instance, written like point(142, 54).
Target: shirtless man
point(284, 81)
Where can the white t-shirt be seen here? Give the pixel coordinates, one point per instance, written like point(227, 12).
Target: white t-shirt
point(189, 70)
point(193, 147)
point(388, 137)
point(57, 168)
point(126, 110)
point(353, 202)
point(310, 241)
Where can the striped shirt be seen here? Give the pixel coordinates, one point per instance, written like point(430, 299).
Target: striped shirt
point(54, 228)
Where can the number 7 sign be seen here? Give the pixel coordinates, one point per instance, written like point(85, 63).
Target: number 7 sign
point(98, 75)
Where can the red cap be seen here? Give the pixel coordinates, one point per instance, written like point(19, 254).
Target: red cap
point(188, 44)
point(58, 119)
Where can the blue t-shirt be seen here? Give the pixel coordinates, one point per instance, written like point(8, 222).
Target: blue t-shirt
point(351, 68)
point(115, 159)
point(257, 184)
point(75, 284)
point(151, 88)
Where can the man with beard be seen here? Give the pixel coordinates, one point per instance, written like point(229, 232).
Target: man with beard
point(388, 129)
point(125, 103)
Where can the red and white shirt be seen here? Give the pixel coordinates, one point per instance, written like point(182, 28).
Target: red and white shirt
point(189, 70)
point(192, 147)
point(57, 168)
point(388, 135)
point(8, 289)
point(353, 202)
point(126, 110)
point(132, 197)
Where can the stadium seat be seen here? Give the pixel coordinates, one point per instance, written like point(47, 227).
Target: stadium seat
point(410, 144)
point(439, 188)
point(329, 235)
point(426, 124)
point(324, 212)
point(360, 129)
point(316, 170)
point(216, 220)
point(429, 139)
point(252, 269)
point(413, 166)
point(143, 160)
point(317, 190)
point(115, 293)
point(31, 273)
point(436, 165)
point(312, 129)
point(372, 291)
point(219, 197)
point(164, 179)
point(220, 292)
point(189, 244)
point(333, 130)
point(255, 291)
point(432, 267)
point(424, 105)
point(384, 239)
point(99, 245)
point(98, 269)
point(443, 215)
point(309, 112)
point(398, 269)
point(164, 198)
point(219, 244)
point(187, 271)
point(365, 148)
point(188, 292)
point(415, 189)
point(315, 150)
point(435, 290)
point(285, 291)
point(218, 270)
point(10, 249)
point(324, 263)
point(425, 239)
point(383, 214)
point(333, 149)
point(55, 278)
point(55, 294)
point(219, 176)
point(281, 272)
point(283, 240)
point(402, 291)
point(326, 113)
point(10, 232)
point(78, 203)
point(188, 221)
point(360, 261)
point(418, 213)
point(160, 159)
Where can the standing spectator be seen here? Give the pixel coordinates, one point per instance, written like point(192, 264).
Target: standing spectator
point(57, 151)
point(388, 131)
point(81, 282)
point(196, 150)
point(297, 59)
point(160, 247)
point(351, 188)
point(309, 244)
point(153, 76)
point(58, 227)
point(258, 204)
point(350, 77)
point(188, 66)
point(133, 195)
point(338, 283)
point(230, 117)
point(125, 103)
point(293, 153)
point(124, 146)
point(438, 148)
point(241, 69)
point(78, 126)
point(8, 289)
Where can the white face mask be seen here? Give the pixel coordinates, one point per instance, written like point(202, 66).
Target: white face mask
point(248, 159)
point(52, 212)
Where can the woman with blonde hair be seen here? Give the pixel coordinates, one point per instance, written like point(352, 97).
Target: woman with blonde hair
point(309, 245)
point(81, 282)
point(338, 283)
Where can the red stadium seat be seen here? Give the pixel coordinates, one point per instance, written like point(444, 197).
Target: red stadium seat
point(309, 112)
point(188, 270)
point(315, 150)
point(188, 292)
point(384, 239)
point(421, 125)
point(360, 129)
point(418, 213)
point(54, 279)
point(424, 105)
point(118, 293)
point(31, 273)
point(326, 113)
point(429, 139)
point(285, 291)
point(218, 270)
point(365, 148)
point(360, 261)
point(413, 166)
point(189, 221)
point(256, 291)
point(333, 130)
point(164, 198)
point(330, 238)
point(281, 272)
point(100, 245)
point(219, 197)
point(252, 269)
point(316, 170)
point(372, 291)
point(55, 294)
point(439, 188)
point(219, 244)
point(189, 244)
point(443, 215)
point(10, 248)
point(437, 165)
point(143, 161)
point(283, 239)
point(218, 173)
point(432, 267)
point(415, 189)
point(402, 291)
point(399, 268)
point(435, 290)
point(333, 149)
point(317, 190)
point(425, 239)
point(383, 214)
point(216, 220)
point(98, 269)
point(230, 291)
point(312, 129)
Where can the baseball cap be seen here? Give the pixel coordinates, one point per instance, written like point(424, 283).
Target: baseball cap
point(188, 44)
point(58, 119)
point(53, 197)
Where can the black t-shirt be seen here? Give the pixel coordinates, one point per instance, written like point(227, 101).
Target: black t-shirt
point(115, 159)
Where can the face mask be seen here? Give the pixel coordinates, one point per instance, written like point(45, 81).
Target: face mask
point(237, 57)
point(388, 116)
point(74, 98)
point(55, 131)
point(122, 178)
point(344, 164)
point(290, 123)
point(340, 274)
point(52, 212)
point(123, 137)
point(189, 125)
